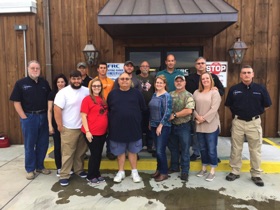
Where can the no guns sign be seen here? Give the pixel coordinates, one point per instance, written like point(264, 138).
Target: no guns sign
point(220, 68)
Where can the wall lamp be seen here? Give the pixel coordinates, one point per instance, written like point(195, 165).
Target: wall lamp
point(91, 54)
point(237, 51)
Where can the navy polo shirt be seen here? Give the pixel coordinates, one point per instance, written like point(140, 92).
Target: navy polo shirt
point(248, 101)
point(33, 96)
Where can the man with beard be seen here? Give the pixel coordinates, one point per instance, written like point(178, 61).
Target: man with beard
point(30, 101)
point(67, 104)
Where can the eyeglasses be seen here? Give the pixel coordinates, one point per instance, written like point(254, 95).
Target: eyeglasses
point(246, 72)
point(96, 86)
point(201, 63)
point(124, 78)
point(33, 68)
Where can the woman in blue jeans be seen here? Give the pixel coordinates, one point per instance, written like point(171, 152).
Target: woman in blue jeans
point(207, 102)
point(160, 110)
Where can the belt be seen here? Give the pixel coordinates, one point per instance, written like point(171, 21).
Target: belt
point(36, 112)
point(248, 119)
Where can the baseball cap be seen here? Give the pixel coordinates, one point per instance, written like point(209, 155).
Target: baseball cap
point(129, 62)
point(180, 76)
point(81, 64)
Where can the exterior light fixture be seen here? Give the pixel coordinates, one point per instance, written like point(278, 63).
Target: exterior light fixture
point(91, 54)
point(237, 51)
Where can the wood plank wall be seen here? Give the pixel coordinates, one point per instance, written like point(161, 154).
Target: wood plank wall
point(73, 23)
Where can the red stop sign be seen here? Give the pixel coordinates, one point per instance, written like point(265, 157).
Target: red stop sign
point(216, 68)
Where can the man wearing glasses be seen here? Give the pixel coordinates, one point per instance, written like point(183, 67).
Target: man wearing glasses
point(148, 89)
point(30, 97)
point(191, 86)
point(129, 69)
point(126, 105)
point(247, 101)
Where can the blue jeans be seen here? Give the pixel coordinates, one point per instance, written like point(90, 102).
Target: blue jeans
point(161, 143)
point(36, 140)
point(208, 147)
point(180, 140)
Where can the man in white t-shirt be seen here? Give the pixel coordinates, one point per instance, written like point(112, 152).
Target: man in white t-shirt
point(67, 105)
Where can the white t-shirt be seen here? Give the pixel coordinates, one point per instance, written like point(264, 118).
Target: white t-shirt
point(70, 100)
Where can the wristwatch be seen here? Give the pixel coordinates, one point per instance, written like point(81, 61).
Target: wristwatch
point(174, 115)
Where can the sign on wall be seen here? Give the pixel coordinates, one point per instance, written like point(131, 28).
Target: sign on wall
point(220, 68)
point(114, 70)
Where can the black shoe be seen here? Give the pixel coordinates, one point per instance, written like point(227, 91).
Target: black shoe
point(232, 177)
point(171, 170)
point(194, 157)
point(258, 181)
point(219, 160)
point(184, 177)
point(110, 156)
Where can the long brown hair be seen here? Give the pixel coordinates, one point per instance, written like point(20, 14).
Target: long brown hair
point(101, 94)
point(200, 86)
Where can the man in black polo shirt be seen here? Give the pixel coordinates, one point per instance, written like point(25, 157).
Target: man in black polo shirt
point(82, 67)
point(30, 96)
point(247, 101)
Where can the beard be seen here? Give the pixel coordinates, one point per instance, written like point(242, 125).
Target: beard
point(76, 87)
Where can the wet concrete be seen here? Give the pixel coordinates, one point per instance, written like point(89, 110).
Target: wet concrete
point(170, 196)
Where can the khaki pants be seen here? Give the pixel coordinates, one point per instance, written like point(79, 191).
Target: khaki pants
point(253, 132)
point(73, 148)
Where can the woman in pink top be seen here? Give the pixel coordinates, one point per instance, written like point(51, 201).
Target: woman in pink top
point(207, 101)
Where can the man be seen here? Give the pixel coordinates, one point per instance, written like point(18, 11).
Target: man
point(247, 101)
point(125, 110)
point(147, 89)
point(67, 105)
point(182, 106)
point(107, 87)
point(82, 67)
point(170, 72)
point(30, 96)
point(129, 68)
point(191, 86)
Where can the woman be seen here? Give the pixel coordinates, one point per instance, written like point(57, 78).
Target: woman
point(207, 101)
point(94, 114)
point(59, 82)
point(160, 111)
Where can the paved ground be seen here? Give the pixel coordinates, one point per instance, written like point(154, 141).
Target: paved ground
point(44, 192)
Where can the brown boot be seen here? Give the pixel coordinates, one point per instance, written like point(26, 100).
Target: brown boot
point(161, 177)
point(156, 174)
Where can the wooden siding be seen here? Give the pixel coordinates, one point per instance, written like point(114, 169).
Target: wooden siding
point(73, 23)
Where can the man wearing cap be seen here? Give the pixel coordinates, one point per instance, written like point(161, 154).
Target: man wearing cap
point(30, 97)
point(129, 68)
point(182, 107)
point(170, 72)
point(191, 86)
point(82, 67)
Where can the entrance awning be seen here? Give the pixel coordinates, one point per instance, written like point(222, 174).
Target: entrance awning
point(165, 18)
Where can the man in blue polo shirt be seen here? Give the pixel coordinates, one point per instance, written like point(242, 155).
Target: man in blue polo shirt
point(247, 101)
point(30, 97)
point(170, 72)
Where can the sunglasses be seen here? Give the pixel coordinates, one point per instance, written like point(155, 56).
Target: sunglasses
point(124, 78)
point(200, 63)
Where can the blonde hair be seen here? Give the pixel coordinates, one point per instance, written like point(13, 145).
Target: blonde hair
point(163, 78)
point(200, 86)
point(101, 94)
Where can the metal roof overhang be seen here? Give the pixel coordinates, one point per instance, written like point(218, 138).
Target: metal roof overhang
point(196, 24)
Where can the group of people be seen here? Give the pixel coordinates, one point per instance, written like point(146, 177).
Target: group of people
point(163, 111)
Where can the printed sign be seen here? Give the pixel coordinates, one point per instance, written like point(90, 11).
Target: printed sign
point(114, 70)
point(220, 68)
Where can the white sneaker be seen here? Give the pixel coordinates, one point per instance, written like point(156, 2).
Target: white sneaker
point(58, 172)
point(119, 176)
point(136, 178)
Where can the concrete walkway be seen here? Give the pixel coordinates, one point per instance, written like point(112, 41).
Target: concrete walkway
point(44, 192)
